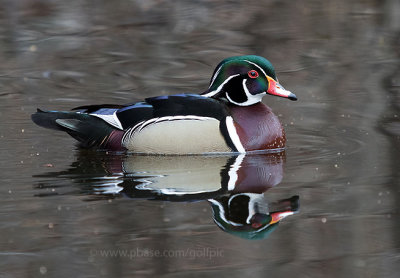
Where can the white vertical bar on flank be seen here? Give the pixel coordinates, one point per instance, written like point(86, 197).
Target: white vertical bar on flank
point(233, 135)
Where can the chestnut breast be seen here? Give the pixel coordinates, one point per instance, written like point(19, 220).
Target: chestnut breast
point(258, 127)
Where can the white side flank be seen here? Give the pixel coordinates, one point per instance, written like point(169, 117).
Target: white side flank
point(172, 118)
point(233, 134)
point(188, 117)
point(213, 93)
point(138, 127)
point(233, 176)
point(111, 119)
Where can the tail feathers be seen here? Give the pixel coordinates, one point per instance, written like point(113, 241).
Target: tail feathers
point(90, 131)
point(48, 119)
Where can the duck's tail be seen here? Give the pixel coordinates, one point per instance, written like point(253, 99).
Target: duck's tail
point(89, 130)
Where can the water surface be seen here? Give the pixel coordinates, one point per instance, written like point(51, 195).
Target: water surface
point(68, 212)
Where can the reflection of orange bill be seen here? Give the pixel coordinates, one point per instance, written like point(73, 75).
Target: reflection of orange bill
point(277, 216)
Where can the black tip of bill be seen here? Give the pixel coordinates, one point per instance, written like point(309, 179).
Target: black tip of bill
point(292, 96)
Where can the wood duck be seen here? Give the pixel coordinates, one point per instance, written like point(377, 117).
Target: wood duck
point(228, 117)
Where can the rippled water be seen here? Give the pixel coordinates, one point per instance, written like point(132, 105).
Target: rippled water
point(66, 211)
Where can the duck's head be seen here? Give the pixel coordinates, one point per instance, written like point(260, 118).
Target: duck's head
point(244, 80)
point(248, 215)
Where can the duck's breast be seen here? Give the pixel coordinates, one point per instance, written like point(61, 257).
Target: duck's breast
point(258, 127)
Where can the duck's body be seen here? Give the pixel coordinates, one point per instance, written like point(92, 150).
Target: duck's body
point(228, 117)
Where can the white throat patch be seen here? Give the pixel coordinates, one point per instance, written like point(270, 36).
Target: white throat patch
point(251, 99)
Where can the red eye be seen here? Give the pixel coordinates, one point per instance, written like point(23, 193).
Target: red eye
point(253, 74)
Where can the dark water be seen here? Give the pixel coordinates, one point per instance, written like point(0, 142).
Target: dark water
point(66, 212)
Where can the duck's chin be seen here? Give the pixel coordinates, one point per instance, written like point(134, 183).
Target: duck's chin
point(251, 99)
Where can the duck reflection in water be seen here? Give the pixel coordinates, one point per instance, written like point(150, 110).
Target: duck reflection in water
point(234, 185)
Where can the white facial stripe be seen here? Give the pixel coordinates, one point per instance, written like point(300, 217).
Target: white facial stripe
point(233, 135)
point(213, 93)
point(257, 66)
point(251, 99)
point(215, 76)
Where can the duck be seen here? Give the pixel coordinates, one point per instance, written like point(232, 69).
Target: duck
point(228, 117)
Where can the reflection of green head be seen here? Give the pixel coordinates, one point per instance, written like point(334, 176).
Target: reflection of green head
point(246, 231)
